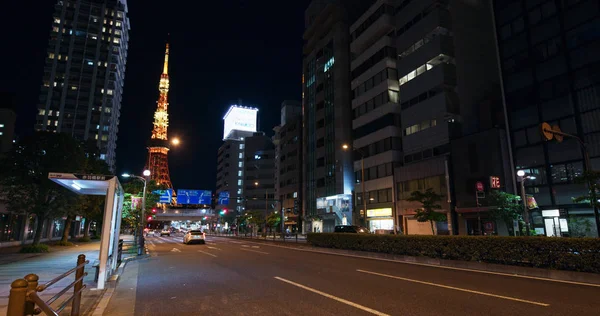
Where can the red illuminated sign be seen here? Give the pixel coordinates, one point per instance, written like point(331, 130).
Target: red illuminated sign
point(495, 182)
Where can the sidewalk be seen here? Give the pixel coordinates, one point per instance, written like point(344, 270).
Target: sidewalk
point(50, 265)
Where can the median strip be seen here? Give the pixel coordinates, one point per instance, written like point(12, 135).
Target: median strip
point(455, 288)
point(341, 300)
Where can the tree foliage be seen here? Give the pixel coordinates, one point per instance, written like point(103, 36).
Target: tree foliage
point(24, 175)
point(429, 204)
point(505, 207)
point(591, 179)
point(135, 188)
point(273, 220)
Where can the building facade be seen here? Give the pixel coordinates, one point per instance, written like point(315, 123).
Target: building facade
point(288, 164)
point(549, 55)
point(84, 72)
point(259, 168)
point(376, 125)
point(239, 123)
point(328, 171)
point(8, 118)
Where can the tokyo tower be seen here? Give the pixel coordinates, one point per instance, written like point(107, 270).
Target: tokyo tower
point(158, 146)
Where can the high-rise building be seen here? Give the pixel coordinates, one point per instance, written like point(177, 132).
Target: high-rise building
point(288, 163)
point(238, 123)
point(444, 73)
point(549, 55)
point(376, 125)
point(158, 145)
point(8, 118)
point(259, 167)
point(328, 171)
point(84, 72)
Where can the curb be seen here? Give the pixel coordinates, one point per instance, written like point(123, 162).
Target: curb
point(562, 276)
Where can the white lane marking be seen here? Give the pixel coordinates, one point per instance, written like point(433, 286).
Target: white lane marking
point(264, 253)
point(455, 288)
point(255, 247)
point(435, 266)
point(206, 253)
point(209, 247)
point(175, 250)
point(341, 300)
point(246, 246)
point(237, 242)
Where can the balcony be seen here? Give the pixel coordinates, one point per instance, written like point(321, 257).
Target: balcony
point(439, 45)
point(381, 27)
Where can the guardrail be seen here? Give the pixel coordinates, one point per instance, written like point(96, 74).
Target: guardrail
point(24, 297)
point(291, 237)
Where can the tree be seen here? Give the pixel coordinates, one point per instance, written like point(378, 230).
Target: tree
point(135, 188)
point(505, 207)
point(273, 220)
point(24, 175)
point(592, 180)
point(427, 212)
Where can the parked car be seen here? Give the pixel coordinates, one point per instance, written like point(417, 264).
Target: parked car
point(194, 236)
point(165, 232)
point(351, 229)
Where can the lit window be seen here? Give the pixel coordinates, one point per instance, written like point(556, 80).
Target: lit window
point(50, 113)
point(96, 136)
point(1, 133)
point(73, 88)
point(104, 138)
point(109, 91)
point(46, 84)
point(95, 20)
point(103, 156)
point(51, 55)
point(241, 146)
point(57, 20)
point(66, 58)
point(49, 123)
point(103, 29)
point(94, 37)
point(70, 32)
point(116, 40)
point(57, 113)
point(1, 125)
point(90, 63)
point(55, 83)
point(105, 64)
point(99, 63)
point(55, 29)
point(240, 164)
point(241, 155)
point(55, 123)
point(239, 182)
point(118, 24)
point(328, 64)
point(102, 90)
point(256, 157)
point(97, 126)
point(107, 110)
point(117, 32)
point(240, 173)
point(42, 112)
point(119, 14)
point(59, 56)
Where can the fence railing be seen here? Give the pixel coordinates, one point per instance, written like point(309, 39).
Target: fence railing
point(282, 237)
point(24, 298)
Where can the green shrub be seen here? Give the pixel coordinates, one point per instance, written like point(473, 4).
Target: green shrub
point(35, 249)
point(64, 243)
point(84, 239)
point(575, 254)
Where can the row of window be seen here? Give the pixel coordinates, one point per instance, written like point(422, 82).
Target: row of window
point(440, 59)
point(437, 183)
point(385, 52)
point(376, 196)
point(377, 101)
point(438, 31)
point(419, 127)
point(387, 73)
point(421, 97)
point(427, 153)
point(390, 119)
point(383, 9)
point(376, 172)
point(387, 144)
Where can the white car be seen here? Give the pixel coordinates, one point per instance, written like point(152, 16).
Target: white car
point(193, 236)
point(165, 232)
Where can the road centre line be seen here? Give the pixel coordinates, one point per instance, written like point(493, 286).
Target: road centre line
point(455, 288)
point(209, 247)
point(434, 266)
point(264, 253)
point(341, 300)
point(206, 253)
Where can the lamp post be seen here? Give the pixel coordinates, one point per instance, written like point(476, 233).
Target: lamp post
point(522, 176)
point(146, 174)
point(362, 180)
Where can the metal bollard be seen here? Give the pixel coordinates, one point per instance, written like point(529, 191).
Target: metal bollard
point(17, 298)
point(78, 285)
point(32, 284)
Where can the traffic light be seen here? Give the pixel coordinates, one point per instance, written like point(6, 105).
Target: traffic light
point(223, 212)
point(154, 210)
point(149, 218)
point(205, 217)
point(153, 216)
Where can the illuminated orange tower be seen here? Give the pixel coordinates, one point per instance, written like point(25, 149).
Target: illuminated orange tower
point(158, 146)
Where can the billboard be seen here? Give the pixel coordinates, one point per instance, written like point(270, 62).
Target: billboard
point(223, 198)
point(165, 195)
point(194, 197)
point(239, 118)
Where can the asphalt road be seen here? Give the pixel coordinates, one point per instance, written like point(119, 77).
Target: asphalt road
point(241, 277)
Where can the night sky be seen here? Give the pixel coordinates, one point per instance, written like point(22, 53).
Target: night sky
point(221, 51)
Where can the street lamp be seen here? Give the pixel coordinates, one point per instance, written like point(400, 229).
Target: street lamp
point(145, 174)
point(522, 176)
point(362, 180)
point(175, 141)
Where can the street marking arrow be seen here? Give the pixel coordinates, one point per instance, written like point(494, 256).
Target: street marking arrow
point(175, 250)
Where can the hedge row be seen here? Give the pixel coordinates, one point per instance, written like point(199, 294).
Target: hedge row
point(574, 254)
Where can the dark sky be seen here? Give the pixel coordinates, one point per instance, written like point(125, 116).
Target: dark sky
point(221, 51)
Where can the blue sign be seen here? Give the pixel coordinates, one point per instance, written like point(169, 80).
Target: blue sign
point(194, 197)
point(165, 195)
point(224, 198)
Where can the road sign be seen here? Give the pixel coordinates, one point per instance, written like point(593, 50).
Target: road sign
point(479, 186)
point(224, 198)
point(547, 131)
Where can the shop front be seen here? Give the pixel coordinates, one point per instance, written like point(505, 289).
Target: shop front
point(380, 220)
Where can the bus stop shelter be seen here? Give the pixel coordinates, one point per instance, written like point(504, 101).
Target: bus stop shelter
point(108, 185)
